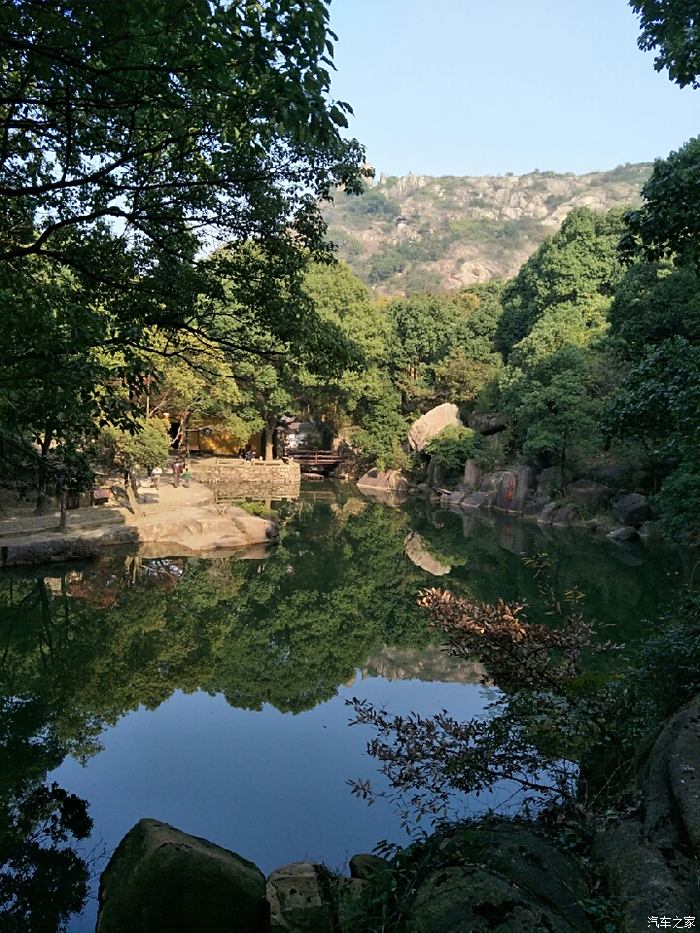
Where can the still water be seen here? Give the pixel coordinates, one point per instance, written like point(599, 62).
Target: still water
point(211, 694)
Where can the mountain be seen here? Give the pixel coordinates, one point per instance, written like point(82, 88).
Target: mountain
point(420, 233)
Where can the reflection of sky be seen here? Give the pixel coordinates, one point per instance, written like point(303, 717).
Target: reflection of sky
point(268, 785)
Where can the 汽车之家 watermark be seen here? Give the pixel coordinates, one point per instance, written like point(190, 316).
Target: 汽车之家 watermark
point(671, 923)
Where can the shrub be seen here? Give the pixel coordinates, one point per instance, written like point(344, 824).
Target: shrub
point(452, 448)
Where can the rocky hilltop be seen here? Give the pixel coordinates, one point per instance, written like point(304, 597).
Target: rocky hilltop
point(420, 233)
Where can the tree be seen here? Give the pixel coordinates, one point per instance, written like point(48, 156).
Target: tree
point(654, 302)
point(673, 29)
point(424, 329)
point(554, 407)
point(577, 264)
point(168, 119)
point(136, 138)
point(667, 224)
point(658, 403)
point(145, 447)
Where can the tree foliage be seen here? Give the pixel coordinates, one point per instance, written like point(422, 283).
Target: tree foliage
point(671, 28)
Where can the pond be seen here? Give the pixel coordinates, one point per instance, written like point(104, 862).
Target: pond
point(211, 694)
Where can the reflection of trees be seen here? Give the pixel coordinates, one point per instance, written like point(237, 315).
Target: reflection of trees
point(77, 652)
point(333, 592)
point(617, 593)
point(285, 631)
point(43, 879)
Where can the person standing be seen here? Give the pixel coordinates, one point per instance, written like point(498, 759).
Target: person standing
point(156, 474)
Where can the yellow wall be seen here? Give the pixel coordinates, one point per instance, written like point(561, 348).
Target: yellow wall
point(220, 442)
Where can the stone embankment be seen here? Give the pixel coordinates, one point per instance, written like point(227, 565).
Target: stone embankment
point(167, 521)
point(249, 479)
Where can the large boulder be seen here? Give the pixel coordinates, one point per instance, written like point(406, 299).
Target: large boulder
point(436, 475)
point(651, 860)
point(504, 878)
point(472, 475)
point(161, 880)
point(429, 425)
point(564, 517)
point(487, 424)
point(365, 867)
point(482, 499)
point(632, 509)
point(305, 897)
point(560, 516)
point(550, 481)
point(587, 493)
point(514, 489)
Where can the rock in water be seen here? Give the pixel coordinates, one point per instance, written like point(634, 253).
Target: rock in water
point(161, 880)
point(429, 425)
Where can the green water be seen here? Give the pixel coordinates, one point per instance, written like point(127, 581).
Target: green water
point(212, 693)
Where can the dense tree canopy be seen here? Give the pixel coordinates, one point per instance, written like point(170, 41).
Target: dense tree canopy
point(161, 169)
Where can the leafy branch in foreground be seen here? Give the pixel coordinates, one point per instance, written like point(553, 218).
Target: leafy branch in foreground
point(528, 739)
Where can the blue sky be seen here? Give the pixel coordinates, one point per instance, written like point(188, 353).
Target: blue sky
point(477, 87)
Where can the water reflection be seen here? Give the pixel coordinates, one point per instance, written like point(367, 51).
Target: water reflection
point(80, 648)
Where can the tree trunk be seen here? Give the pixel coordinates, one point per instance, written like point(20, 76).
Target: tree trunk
point(132, 494)
point(269, 437)
point(62, 520)
point(42, 497)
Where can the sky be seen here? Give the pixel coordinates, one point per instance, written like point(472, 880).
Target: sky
point(484, 87)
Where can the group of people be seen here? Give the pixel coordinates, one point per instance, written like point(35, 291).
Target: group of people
point(180, 472)
point(246, 453)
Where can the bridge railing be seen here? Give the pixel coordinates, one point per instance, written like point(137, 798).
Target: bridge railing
point(314, 457)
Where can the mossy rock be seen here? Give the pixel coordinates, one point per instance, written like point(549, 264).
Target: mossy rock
point(505, 878)
point(161, 880)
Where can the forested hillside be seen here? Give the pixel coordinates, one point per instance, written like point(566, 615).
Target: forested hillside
point(419, 233)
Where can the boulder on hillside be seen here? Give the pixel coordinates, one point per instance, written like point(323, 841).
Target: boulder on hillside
point(429, 425)
point(587, 493)
point(632, 509)
point(161, 880)
point(364, 866)
point(487, 424)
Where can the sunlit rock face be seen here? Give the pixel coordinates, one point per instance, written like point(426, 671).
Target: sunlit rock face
point(429, 425)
